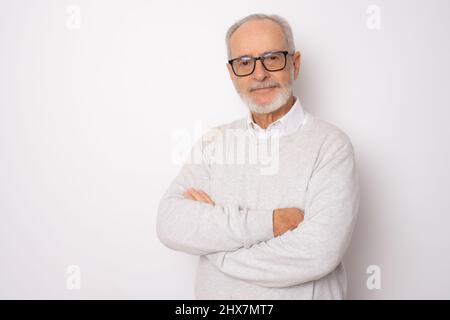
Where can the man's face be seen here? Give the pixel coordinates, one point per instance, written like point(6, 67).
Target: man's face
point(255, 38)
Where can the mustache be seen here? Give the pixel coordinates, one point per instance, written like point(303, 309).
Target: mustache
point(268, 84)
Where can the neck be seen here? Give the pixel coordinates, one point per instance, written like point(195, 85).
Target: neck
point(265, 119)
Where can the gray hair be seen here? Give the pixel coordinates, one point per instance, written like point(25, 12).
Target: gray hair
point(287, 31)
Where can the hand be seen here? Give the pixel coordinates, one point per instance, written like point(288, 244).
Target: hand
point(286, 219)
point(198, 195)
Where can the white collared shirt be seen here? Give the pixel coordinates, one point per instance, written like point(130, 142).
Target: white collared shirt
point(287, 124)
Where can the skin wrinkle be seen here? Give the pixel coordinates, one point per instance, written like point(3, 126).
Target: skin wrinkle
point(255, 38)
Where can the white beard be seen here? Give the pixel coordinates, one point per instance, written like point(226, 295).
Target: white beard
point(280, 100)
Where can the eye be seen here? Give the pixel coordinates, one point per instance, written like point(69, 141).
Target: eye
point(273, 57)
point(244, 61)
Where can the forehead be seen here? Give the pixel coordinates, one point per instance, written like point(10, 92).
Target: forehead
point(256, 37)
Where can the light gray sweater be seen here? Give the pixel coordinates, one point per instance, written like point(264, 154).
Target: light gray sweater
point(239, 257)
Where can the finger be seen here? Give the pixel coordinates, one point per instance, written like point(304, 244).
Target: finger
point(208, 198)
point(205, 196)
point(188, 195)
point(192, 194)
point(199, 196)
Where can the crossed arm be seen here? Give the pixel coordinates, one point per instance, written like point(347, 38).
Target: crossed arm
point(241, 242)
point(189, 221)
point(283, 219)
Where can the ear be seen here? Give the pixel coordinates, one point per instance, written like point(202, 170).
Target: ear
point(230, 72)
point(296, 59)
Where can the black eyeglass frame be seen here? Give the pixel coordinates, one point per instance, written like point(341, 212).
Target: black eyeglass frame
point(286, 53)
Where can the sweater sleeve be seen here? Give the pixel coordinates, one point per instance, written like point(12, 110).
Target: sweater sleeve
point(199, 228)
point(317, 245)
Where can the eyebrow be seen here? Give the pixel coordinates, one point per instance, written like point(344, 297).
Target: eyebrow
point(265, 52)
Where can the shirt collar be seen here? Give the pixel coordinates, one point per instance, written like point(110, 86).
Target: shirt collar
point(286, 125)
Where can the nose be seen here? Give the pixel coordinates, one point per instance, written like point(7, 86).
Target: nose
point(260, 72)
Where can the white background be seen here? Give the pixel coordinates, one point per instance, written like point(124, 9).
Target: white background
point(88, 116)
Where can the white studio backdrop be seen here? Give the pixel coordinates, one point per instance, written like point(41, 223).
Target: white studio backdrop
point(93, 95)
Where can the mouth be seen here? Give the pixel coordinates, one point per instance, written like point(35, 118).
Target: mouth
point(263, 89)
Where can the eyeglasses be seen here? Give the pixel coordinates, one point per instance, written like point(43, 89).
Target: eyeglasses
point(271, 61)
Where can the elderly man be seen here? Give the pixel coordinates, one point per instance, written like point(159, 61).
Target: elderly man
point(278, 233)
